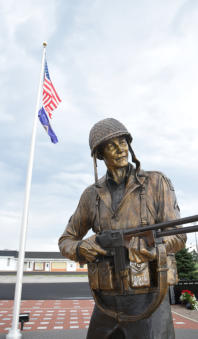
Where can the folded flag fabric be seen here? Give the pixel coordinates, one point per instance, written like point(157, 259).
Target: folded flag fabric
point(46, 124)
point(50, 96)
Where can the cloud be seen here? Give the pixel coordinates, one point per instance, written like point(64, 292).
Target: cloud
point(133, 61)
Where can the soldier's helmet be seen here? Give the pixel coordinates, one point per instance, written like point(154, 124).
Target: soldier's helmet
point(105, 130)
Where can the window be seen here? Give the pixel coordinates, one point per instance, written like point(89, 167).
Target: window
point(8, 262)
point(39, 266)
point(81, 266)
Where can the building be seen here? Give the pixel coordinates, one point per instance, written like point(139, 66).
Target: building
point(39, 262)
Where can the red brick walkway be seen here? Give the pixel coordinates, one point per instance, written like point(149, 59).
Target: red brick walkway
point(63, 314)
point(49, 314)
point(181, 321)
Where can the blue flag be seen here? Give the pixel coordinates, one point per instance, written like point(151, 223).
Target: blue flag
point(46, 124)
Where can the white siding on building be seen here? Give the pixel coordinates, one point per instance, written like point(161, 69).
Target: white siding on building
point(8, 264)
point(71, 266)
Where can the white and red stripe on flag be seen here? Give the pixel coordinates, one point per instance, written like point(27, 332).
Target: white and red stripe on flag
point(50, 96)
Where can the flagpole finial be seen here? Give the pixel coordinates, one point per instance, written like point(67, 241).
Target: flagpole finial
point(44, 44)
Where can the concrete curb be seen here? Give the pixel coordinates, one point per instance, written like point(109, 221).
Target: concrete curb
point(69, 334)
point(81, 334)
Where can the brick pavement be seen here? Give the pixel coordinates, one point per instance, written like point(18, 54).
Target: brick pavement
point(181, 309)
point(71, 314)
point(49, 314)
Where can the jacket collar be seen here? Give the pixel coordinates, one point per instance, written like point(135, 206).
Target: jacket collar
point(131, 185)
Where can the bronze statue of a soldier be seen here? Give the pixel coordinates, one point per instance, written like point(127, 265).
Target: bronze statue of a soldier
point(124, 198)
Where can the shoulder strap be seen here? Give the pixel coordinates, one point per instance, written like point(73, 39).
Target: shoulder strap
point(143, 209)
point(97, 219)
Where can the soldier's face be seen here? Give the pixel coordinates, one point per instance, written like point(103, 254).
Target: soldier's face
point(115, 153)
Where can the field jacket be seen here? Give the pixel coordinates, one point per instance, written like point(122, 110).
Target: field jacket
point(95, 212)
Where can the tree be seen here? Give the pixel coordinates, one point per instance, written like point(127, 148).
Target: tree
point(195, 256)
point(186, 265)
point(195, 259)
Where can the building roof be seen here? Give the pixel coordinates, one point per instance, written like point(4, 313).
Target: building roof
point(41, 255)
point(9, 253)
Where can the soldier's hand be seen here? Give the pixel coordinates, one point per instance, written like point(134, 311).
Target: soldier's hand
point(89, 249)
point(138, 251)
point(172, 243)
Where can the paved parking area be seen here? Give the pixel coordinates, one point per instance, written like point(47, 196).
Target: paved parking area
point(58, 315)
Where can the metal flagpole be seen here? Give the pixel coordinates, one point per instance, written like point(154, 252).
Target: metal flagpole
point(14, 332)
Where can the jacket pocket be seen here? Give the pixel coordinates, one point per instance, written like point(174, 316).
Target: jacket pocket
point(139, 275)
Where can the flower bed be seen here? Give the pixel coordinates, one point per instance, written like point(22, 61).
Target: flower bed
point(188, 298)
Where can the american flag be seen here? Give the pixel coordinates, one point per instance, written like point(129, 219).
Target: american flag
point(50, 96)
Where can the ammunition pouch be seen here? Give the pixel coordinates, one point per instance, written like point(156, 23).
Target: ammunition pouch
point(142, 275)
point(139, 275)
point(100, 276)
point(172, 276)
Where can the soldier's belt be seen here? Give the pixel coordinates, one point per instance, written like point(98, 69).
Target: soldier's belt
point(141, 278)
point(160, 290)
point(102, 277)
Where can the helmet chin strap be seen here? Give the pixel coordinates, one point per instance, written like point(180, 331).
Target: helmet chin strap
point(134, 159)
point(95, 168)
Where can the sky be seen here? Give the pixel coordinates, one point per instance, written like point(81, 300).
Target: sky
point(135, 61)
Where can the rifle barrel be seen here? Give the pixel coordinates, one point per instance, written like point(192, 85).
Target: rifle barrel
point(162, 225)
point(180, 230)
